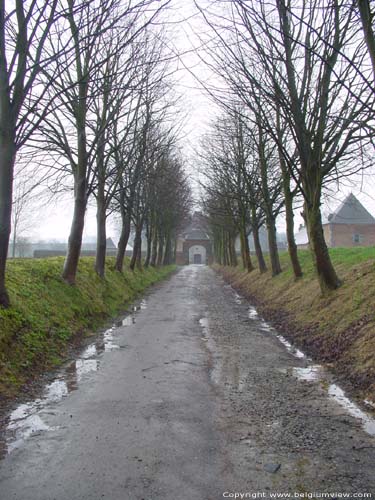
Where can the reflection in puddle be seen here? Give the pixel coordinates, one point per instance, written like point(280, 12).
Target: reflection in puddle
point(109, 345)
point(204, 324)
point(84, 366)
point(56, 391)
point(128, 321)
point(369, 403)
point(315, 373)
point(89, 352)
point(252, 313)
point(293, 350)
point(368, 423)
point(237, 298)
point(23, 425)
point(309, 374)
point(265, 326)
point(226, 369)
point(27, 420)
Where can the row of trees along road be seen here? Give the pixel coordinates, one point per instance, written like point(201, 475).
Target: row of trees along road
point(297, 114)
point(84, 92)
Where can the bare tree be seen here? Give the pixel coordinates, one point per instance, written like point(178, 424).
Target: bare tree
point(24, 28)
point(302, 61)
point(87, 26)
point(22, 211)
point(367, 20)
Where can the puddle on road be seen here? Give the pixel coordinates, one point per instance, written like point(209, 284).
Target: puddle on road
point(237, 298)
point(263, 325)
point(89, 352)
point(313, 373)
point(204, 324)
point(252, 313)
point(309, 374)
point(316, 373)
point(143, 305)
point(226, 369)
point(28, 419)
point(109, 344)
point(128, 321)
point(23, 425)
point(368, 422)
point(83, 366)
point(55, 391)
point(369, 403)
point(293, 350)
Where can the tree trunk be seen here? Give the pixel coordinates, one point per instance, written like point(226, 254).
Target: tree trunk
point(154, 251)
point(327, 276)
point(138, 261)
point(292, 247)
point(123, 242)
point(101, 242)
point(227, 261)
point(137, 245)
point(7, 159)
point(272, 244)
point(159, 259)
point(232, 251)
point(288, 198)
point(245, 250)
point(80, 192)
point(168, 250)
point(149, 232)
point(367, 25)
point(75, 237)
point(174, 254)
point(258, 250)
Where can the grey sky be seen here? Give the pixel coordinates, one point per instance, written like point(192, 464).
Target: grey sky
point(183, 23)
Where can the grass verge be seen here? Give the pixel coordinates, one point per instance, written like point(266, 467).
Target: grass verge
point(339, 328)
point(47, 315)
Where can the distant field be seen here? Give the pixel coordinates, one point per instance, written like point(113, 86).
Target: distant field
point(47, 314)
point(338, 328)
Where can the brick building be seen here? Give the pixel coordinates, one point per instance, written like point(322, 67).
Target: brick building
point(194, 245)
point(349, 225)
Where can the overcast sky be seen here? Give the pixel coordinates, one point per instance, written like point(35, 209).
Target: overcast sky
point(183, 25)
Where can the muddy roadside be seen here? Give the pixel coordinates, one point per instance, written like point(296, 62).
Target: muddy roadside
point(346, 351)
point(288, 421)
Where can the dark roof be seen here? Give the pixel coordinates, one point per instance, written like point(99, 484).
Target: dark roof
point(351, 211)
point(197, 229)
point(110, 243)
point(196, 234)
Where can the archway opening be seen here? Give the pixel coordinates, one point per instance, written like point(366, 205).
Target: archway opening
point(197, 254)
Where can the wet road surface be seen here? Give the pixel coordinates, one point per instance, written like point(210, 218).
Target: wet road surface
point(193, 396)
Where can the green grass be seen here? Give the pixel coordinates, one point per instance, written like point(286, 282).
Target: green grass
point(47, 314)
point(341, 258)
point(338, 327)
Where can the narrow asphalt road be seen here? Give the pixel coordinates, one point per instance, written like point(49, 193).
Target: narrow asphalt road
point(191, 397)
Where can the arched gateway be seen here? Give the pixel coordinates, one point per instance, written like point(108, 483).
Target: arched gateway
point(197, 254)
point(194, 245)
